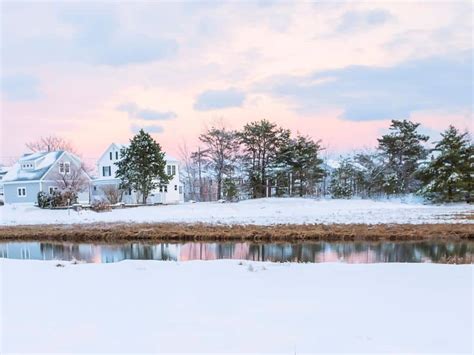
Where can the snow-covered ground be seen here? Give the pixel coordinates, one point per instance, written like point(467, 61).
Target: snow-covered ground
point(232, 306)
point(261, 212)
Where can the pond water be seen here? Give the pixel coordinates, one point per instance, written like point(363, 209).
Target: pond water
point(320, 252)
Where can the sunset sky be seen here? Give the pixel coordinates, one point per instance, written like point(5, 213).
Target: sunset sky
point(96, 72)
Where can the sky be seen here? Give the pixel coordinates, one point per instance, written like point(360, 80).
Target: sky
point(96, 72)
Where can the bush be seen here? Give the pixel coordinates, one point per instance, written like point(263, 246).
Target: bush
point(43, 200)
point(56, 199)
point(100, 206)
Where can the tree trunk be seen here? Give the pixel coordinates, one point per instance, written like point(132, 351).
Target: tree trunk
point(219, 187)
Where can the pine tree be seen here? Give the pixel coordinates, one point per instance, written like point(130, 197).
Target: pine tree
point(300, 157)
point(371, 176)
point(449, 175)
point(403, 151)
point(261, 141)
point(142, 167)
point(342, 180)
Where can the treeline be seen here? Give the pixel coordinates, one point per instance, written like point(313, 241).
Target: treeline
point(263, 159)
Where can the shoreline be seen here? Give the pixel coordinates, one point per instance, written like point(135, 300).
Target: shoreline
point(179, 232)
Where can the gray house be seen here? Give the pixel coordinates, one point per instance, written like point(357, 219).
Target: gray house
point(41, 172)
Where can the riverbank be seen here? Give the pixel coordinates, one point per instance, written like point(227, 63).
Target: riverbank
point(235, 306)
point(169, 232)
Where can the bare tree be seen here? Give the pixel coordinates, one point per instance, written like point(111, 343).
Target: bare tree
point(55, 143)
point(51, 144)
point(112, 193)
point(189, 170)
point(199, 160)
point(71, 181)
point(221, 147)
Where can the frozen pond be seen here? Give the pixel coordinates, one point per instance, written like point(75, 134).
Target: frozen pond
point(320, 252)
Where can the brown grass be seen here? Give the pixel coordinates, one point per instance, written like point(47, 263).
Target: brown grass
point(115, 232)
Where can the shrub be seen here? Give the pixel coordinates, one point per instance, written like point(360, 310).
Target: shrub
point(56, 199)
point(43, 200)
point(100, 206)
point(230, 190)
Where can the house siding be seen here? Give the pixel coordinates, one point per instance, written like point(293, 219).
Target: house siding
point(11, 195)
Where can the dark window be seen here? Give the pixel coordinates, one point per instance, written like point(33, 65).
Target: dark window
point(168, 169)
point(175, 187)
point(106, 171)
point(173, 167)
point(166, 188)
point(116, 155)
point(110, 155)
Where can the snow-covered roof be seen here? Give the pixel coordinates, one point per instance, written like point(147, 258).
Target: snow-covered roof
point(4, 169)
point(120, 146)
point(170, 158)
point(43, 162)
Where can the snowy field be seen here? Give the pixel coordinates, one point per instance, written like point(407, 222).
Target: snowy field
point(230, 306)
point(259, 212)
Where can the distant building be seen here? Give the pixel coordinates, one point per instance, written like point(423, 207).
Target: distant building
point(169, 193)
point(3, 171)
point(40, 171)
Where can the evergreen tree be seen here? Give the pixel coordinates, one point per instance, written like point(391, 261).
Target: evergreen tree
point(449, 175)
point(262, 141)
point(371, 178)
point(403, 150)
point(142, 167)
point(220, 153)
point(300, 157)
point(230, 189)
point(342, 180)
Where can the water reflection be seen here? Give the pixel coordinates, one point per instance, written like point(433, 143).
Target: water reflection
point(355, 252)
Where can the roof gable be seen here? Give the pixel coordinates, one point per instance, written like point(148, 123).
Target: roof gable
point(43, 163)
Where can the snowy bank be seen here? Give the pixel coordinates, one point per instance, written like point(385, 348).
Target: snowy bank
point(232, 306)
point(258, 212)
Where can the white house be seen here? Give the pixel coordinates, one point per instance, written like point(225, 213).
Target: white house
point(106, 166)
point(41, 171)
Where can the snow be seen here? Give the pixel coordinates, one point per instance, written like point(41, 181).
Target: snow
point(259, 212)
point(231, 306)
point(43, 160)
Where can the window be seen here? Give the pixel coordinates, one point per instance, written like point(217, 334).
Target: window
point(52, 189)
point(173, 167)
point(116, 155)
point(161, 188)
point(110, 154)
point(95, 188)
point(175, 187)
point(21, 191)
point(180, 190)
point(166, 188)
point(64, 168)
point(106, 171)
point(168, 169)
